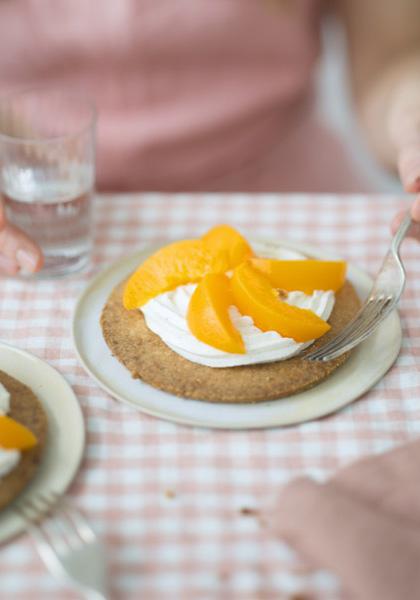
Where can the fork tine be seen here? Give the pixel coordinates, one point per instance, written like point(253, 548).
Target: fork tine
point(374, 318)
point(58, 534)
point(343, 333)
point(35, 508)
point(362, 335)
point(25, 512)
point(76, 518)
point(354, 325)
point(44, 547)
point(366, 315)
point(319, 353)
point(45, 501)
point(347, 343)
point(56, 539)
point(30, 513)
point(81, 524)
point(63, 532)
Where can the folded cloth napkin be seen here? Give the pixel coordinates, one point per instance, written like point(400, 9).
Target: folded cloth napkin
point(363, 524)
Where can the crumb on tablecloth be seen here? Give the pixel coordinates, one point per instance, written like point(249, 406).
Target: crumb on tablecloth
point(248, 512)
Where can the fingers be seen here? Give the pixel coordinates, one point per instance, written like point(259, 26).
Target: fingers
point(415, 210)
point(409, 166)
point(2, 215)
point(8, 266)
point(414, 231)
point(18, 252)
point(404, 129)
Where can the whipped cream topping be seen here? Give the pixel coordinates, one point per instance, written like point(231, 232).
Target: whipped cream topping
point(166, 316)
point(8, 458)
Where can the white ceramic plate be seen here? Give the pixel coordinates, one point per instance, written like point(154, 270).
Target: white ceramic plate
point(346, 384)
point(66, 432)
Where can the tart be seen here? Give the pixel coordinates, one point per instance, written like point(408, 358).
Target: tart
point(24, 430)
point(229, 293)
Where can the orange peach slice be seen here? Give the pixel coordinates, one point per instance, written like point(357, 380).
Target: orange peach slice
point(208, 314)
point(176, 264)
point(224, 238)
point(304, 275)
point(255, 296)
point(14, 435)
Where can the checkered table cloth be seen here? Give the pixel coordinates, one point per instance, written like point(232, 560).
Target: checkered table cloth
point(175, 505)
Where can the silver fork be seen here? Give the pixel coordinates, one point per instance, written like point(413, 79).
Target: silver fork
point(66, 543)
point(381, 301)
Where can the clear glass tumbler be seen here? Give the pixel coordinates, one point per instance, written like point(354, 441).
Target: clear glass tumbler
point(47, 174)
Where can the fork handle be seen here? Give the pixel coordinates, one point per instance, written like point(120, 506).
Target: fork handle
point(401, 232)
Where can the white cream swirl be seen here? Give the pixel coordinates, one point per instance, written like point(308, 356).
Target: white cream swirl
point(166, 315)
point(8, 458)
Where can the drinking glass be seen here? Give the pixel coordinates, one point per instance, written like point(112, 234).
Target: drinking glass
point(47, 174)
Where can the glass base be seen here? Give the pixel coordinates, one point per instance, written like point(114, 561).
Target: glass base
point(59, 266)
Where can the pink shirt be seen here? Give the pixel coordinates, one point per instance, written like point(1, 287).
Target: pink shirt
point(191, 94)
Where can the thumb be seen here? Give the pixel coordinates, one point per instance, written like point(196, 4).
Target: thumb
point(2, 214)
point(17, 250)
point(409, 165)
point(403, 124)
point(8, 265)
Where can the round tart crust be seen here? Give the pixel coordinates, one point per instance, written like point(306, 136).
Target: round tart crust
point(148, 358)
point(26, 409)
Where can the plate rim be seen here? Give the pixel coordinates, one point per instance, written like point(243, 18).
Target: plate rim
point(21, 527)
point(309, 249)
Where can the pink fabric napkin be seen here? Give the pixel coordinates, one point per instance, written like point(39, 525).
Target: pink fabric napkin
point(363, 525)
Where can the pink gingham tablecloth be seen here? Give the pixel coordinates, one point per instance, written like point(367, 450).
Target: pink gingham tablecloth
point(175, 504)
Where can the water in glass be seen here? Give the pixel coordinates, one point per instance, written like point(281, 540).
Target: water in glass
point(56, 214)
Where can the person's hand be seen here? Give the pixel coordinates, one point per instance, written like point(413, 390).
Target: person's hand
point(17, 251)
point(414, 231)
point(404, 129)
